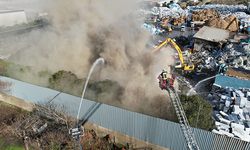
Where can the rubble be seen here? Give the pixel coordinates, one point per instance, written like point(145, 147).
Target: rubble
point(204, 15)
point(231, 115)
point(232, 55)
point(220, 12)
point(174, 12)
point(221, 8)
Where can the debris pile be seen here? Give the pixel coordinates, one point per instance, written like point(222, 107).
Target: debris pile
point(205, 14)
point(152, 29)
point(223, 23)
point(221, 8)
point(178, 21)
point(232, 55)
point(174, 12)
point(222, 12)
point(232, 110)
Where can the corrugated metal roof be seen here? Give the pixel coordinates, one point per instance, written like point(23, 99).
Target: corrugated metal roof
point(225, 81)
point(150, 129)
point(212, 34)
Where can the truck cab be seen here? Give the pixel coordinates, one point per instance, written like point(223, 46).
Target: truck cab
point(191, 24)
point(183, 26)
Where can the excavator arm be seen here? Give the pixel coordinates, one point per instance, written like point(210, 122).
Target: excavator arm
point(183, 65)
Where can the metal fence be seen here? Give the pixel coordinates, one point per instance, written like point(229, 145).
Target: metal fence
point(150, 129)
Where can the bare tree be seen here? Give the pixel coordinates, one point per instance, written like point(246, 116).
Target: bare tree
point(5, 86)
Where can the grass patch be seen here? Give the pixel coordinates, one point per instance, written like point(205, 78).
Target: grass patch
point(6, 104)
point(9, 147)
point(26, 111)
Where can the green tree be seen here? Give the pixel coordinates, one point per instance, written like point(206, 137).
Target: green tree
point(62, 78)
point(191, 106)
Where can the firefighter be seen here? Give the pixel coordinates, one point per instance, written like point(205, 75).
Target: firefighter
point(164, 74)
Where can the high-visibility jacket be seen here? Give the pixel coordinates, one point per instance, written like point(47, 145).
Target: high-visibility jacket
point(164, 76)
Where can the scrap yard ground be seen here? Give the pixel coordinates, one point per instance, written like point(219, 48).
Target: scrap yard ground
point(211, 54)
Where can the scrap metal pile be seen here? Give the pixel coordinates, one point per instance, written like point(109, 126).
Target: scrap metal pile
point(232, 55)
point(232, 112)
point(173, 12)
point(224, 11)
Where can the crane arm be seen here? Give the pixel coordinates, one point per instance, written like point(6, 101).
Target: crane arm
point(162, 44)
point(178, 50)
point(175, 45)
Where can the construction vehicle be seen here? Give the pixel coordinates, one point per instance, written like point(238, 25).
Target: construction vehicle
point(195, 23)
point(191, 24)
point(166, 25)
point(185, 68)
point(183, 26)
point(185, 127)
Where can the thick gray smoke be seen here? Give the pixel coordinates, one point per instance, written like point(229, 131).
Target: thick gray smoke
point(84, 30)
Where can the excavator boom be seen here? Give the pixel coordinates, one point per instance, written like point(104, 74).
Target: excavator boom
point(183, 65)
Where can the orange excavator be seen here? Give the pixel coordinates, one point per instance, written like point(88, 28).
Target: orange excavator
point(166, 25)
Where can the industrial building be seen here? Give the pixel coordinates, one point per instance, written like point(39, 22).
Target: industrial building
point(210, 36)
point(12, 17)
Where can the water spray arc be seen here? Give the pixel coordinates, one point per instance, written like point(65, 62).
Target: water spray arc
point(199, 83)
point(86, 83)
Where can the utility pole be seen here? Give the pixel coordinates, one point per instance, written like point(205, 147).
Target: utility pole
point(198, 115)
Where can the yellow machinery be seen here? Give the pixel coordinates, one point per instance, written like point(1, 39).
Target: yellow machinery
point(187, 67)
point(165, 25)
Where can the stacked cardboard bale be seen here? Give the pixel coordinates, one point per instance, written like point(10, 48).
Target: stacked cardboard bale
point(216, 23)
point(223, 23)
point(233, 26)
point(178, 21)
point(205, 14)
point(213, 19)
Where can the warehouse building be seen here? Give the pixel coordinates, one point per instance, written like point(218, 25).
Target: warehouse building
point(214, 37)
point(12, 17)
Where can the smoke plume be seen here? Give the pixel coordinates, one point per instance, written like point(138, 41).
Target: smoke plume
point(84, 30)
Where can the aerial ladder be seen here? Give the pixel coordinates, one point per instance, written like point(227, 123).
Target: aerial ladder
point(76, 133)
point(185, 127)
point(185, 67)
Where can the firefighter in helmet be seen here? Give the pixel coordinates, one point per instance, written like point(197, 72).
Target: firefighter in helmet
point(164, 74)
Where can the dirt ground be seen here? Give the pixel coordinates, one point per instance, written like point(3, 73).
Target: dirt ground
point(16, 123)
point(238, 72)
point(9, 114)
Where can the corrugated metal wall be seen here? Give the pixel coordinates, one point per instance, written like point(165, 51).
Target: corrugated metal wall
point(153, 130)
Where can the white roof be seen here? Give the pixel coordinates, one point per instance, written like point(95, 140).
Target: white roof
point(212, 34)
